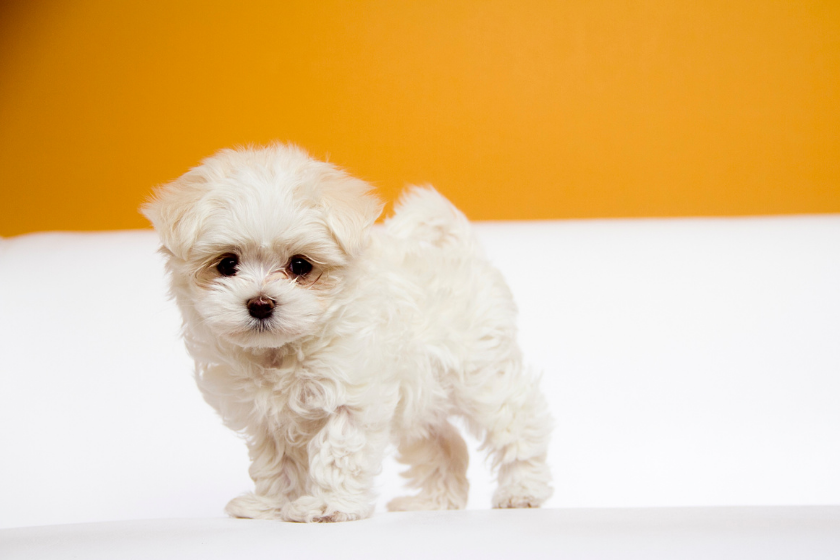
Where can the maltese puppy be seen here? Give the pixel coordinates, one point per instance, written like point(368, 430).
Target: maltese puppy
point(322, 339)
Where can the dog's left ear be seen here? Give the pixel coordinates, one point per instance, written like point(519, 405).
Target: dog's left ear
point(350, 209)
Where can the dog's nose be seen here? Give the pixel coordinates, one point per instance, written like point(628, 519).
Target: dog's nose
point(261, 307)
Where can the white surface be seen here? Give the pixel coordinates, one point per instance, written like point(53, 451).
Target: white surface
point(653, 534)
point(687, 362)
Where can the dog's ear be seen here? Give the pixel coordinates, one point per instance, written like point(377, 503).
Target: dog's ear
point(173, 213)
point(350, 209)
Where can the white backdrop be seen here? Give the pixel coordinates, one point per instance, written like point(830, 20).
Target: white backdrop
point(688, 363)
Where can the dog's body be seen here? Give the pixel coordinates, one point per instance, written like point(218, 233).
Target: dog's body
point(322, 339)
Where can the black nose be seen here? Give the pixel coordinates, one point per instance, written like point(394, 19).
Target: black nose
point(261, 307)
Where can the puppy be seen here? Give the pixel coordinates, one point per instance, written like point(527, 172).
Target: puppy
point(321, 338)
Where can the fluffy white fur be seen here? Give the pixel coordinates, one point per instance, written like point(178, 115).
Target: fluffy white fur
point(394, 331)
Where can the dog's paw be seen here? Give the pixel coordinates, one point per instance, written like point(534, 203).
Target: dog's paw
point(309, 509)
point(509, 502)
point(521, 496)
point(252, 506)
point(425, 502)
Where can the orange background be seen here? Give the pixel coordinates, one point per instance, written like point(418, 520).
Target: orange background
point(513, 109)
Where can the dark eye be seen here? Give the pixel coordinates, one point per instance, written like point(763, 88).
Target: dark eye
point(227, 266)
point(299, 266)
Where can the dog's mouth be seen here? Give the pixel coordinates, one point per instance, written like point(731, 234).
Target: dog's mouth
point(257, 336)
point(261, 333)
point(261, 325)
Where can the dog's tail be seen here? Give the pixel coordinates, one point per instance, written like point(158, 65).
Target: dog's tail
point(425, 216)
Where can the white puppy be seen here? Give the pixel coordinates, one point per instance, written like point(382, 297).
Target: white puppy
point(321, 338)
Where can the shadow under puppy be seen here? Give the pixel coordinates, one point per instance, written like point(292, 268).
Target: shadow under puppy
point(322, 339)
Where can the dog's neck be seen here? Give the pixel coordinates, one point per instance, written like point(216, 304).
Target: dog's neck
point(281, 357)
point(269, 358)
point(272, 358)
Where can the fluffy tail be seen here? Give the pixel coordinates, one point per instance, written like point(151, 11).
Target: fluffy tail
point(425, 216)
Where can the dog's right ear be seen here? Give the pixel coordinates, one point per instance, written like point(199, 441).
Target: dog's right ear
point(173, 213)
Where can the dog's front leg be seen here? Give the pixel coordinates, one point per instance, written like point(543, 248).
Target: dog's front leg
point(343, 460)
point(278, 472)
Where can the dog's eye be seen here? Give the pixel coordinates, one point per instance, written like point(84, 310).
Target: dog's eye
point(299, 266)
point(227, 266)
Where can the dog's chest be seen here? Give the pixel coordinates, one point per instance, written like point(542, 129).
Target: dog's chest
point(289, 397)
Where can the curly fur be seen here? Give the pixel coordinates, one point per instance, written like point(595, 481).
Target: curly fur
point(394, 331)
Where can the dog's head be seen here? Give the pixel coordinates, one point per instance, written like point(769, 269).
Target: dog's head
point(259, 241)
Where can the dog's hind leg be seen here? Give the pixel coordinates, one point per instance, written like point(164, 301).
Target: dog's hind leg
point(509, 409)
point(438, 468)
